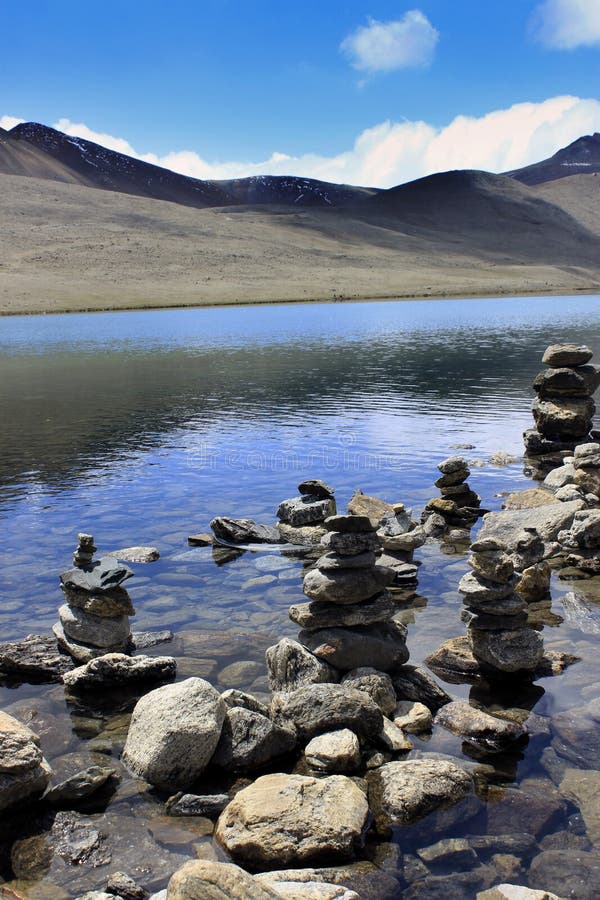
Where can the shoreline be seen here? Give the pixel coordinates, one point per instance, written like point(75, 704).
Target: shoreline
point(371, 298)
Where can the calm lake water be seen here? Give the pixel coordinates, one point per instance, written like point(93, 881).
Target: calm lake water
point(140, 427)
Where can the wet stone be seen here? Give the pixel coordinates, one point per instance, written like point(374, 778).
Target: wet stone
point(417, 684)
point(136, 554)
point(103, 574)
point(381, 645)
point(323, 615)
point(96, 631)
point(244, 531)
point(197, 804)
point(318, 708)
point(37, 658)
point(116, 669)
point(475, 725)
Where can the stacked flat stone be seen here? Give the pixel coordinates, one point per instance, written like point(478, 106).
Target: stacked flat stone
point(348, 621)
point(301, 518)
point(94, 620)
point(501, 640)
point(459, 505)
point(563, 409)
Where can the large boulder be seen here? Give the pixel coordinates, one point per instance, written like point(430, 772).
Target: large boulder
point(174, 732)
point(318, 708)
point(292, 666)
point(401, 793)
point(548, 520)
point(293, 819)
point(24, 773)
point(250, 740)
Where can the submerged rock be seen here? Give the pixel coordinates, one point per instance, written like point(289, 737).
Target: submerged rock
point(400, 793)
point(136, 554)
point(293, 819)
point(382, 645)
point(479, 727)
point(334, 751)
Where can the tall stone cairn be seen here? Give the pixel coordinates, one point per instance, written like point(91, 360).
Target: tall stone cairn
point(348, 622)
point(94, 619)
point(501, 640)
point(563, 409)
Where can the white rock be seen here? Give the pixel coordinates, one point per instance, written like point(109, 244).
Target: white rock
point(412, 717)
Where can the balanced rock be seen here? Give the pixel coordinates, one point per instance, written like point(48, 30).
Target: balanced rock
point(324, 615)
point(174, 732)
point(293, 819)
point(346, 586)
point(316, 488)
point(558, 355)
point(97, 631)
point(103, 574)
point(305, 510)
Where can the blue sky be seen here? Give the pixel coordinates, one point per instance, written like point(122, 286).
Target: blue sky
point(374, 92)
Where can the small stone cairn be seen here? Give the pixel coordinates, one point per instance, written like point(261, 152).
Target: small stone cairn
point(563, 409)
point(301, 518)
point(459, 506)
point(500, 639)
point(94, 620)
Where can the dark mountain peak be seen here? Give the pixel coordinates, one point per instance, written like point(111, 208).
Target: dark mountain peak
point(579, 158)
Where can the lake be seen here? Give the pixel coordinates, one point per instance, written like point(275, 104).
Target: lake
point(140, 427)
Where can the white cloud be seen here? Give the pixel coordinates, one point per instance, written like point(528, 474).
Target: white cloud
point(8, 122)
point(385, 46)
point(566, 24)
point(391, 153)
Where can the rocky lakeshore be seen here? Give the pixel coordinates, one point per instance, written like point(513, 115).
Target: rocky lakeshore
point(329, 762)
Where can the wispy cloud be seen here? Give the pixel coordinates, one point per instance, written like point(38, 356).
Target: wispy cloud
point(390, 153)
point(8, 122)
point(385, 46)
point(567, 24)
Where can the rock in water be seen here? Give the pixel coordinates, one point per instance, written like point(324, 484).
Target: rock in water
point(202, 879)
point(174, 732)
point(103, 574)
point(115, 669)
point(382, 645)
point(24, 773)
point(400, 793)
point(244, 531)
point(250, 740)
point(334, 751)
point(36, 658)
point(477, 726)
point(293, 819)
point(318, 708)
point(292, 666)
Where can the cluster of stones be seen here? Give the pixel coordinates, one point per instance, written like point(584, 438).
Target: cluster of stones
point(563, 409)
point(459, 506)
point(94, 620)
point(301, 519)
point(501, 641)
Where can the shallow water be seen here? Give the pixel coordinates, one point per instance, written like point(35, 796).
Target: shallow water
point(140, 427)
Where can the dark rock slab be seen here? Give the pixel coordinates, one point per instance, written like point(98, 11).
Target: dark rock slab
point(244, 531)
point(37, 658)
point(250, 741)
point(318, 708)
point(382, 646)
point(103, 574)
point(197, 804)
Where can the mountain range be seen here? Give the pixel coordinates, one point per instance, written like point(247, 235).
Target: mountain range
point(87, 227)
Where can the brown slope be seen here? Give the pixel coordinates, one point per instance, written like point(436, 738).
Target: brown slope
point(67, 247)
point(487, 214)
point(578, 195)
point(580, 157)
point(18, 157)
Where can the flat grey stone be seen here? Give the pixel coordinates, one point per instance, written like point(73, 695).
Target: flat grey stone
point(96, 631)
point(318, 708)
point(103, 574)
point(559, 355)
point(323, 615)
point(35, 658)
point(306, 510)
point(115, 669)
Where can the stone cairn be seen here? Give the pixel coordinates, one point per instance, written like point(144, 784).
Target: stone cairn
point(498, 634)
point(348, 631)
point(301, 519)
point(94, 620)
point(459, 506)
point(563, 409)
